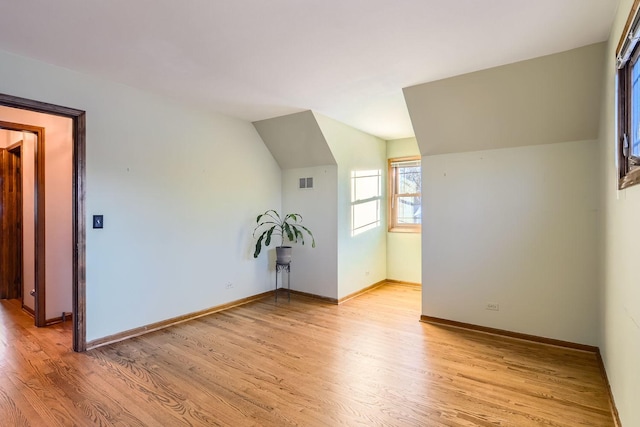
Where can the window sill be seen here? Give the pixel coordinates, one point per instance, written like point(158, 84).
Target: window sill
point(414, 230)
point(630, 179)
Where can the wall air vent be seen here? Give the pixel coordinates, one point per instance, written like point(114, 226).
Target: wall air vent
point(306, 183)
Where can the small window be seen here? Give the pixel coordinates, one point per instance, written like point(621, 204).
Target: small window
point(628, 88)
point(405, 194)
point(366, 192)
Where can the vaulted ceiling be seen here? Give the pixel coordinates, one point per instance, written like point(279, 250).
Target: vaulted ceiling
point(257, 59)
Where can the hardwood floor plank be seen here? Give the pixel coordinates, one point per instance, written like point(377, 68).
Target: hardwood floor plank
point(366, 362)
point(10, 413)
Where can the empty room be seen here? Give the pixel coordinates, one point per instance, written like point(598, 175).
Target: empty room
point(296, 213)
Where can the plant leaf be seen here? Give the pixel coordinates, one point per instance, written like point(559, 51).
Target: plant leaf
point(297, 233)
point(270, 223)
point(313, 240)
point(258, 246)
point(267, 241)
point(290, 234)
point(273, 214)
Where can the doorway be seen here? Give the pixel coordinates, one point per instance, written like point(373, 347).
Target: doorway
point(31, 206)
point(78, 209)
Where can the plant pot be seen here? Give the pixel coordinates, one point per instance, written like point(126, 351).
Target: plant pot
point(283, 254)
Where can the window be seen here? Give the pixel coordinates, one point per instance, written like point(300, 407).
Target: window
point(366, 191)
point(628, 88)
point(405, 194)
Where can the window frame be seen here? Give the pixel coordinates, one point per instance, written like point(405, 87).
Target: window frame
point(393, 196)
point(627, 54)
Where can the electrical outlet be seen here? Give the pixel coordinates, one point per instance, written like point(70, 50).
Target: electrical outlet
point(493, 306)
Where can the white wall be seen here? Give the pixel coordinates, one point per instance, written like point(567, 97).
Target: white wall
point(314, 270)
point(517, 227)
point(620, 298)
point(404, 250)
point(58, 152)
point(517, 223)
point(179, 189)
point(307, 144)
point(361, 258)
point(300, 148)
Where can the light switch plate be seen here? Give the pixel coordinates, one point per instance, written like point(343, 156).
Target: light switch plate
point(98, 221)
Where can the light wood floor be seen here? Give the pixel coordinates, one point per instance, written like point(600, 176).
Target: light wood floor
point(367, 362)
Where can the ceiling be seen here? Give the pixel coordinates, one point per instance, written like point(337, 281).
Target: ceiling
point(258, 59)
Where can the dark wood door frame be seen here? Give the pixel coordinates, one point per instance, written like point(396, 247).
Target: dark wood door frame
point(78, 118)
point(40, 284)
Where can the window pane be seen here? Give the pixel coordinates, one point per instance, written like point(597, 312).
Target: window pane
point(635, 109)
point(405, 207)
point(409, 180)
point(628, 103)
point(409, 210)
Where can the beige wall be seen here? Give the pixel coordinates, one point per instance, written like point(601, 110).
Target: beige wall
point(28, 221)
point(58, 206)
point(620, 297)
point(28, 218)
point(404, 250)
point(28, 214)
point(5, 138)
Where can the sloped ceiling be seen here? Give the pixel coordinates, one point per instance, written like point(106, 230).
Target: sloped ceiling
point(555, 98)
point(295, 141)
